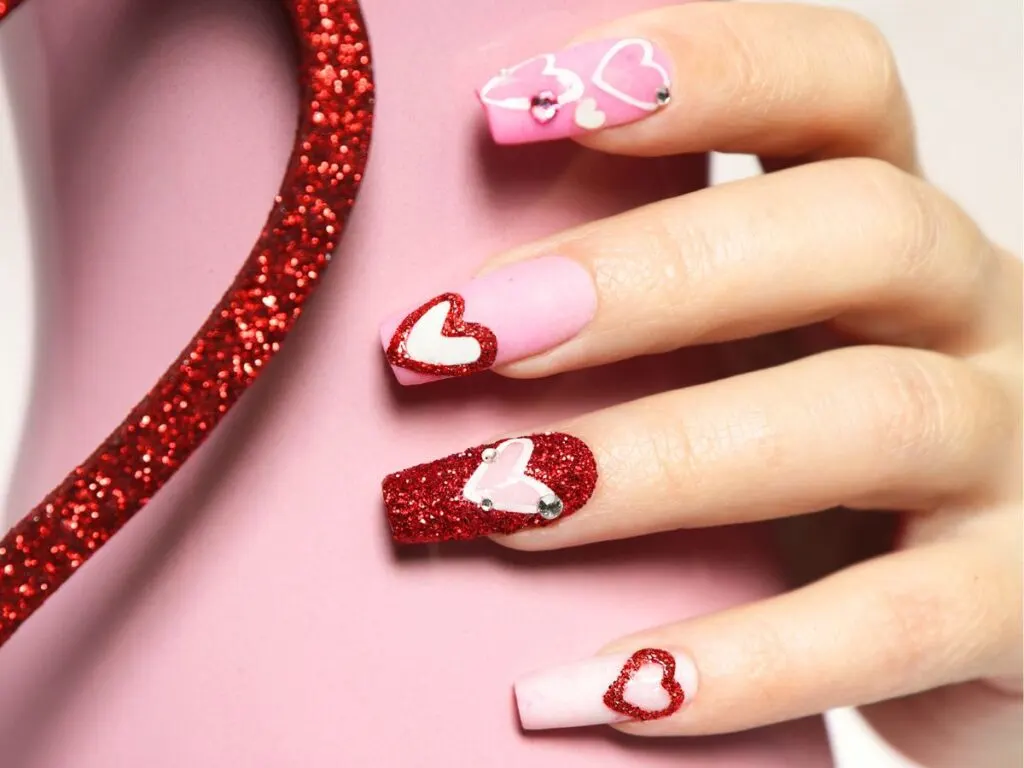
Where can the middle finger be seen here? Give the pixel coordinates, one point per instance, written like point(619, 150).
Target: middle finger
point(882, 253)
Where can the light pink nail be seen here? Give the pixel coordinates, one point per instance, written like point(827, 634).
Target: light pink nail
point(647, 685)
point(578, 90)
point(506, 315)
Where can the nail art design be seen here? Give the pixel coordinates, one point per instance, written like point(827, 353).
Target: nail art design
point(615, 697)
point(649, 684)
point(581, 89)
point(435, 339)
point(498, 488)
point(506, 315)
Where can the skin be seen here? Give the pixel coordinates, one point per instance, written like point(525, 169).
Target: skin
point(869, 342)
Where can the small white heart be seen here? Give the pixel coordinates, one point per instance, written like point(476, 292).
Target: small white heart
point(588, 116)
point(427, 344)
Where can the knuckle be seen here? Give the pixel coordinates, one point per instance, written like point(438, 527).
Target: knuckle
point(926, 410)
point(924, 239)
point(910, 399)
point(673, 460)
point(909, 210)
point(954, 621)
point(870, 48)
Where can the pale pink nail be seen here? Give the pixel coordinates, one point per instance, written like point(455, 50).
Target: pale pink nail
point(506, 315)
point(578, 90)
point(647, 685)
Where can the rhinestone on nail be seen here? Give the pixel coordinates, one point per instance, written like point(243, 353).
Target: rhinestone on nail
point(549, 507)
point(663, 96)
point(486, 505)
point(544, 107)
point(489, 455)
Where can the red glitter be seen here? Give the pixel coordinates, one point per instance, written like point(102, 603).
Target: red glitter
point(425, 503)
point(454, 325)
point(614, 697)
point(243, 332)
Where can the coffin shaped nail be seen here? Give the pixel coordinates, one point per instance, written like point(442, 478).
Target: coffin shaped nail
point(496, 488)
point(649, 684)
point(578, 90)
point(506, 315)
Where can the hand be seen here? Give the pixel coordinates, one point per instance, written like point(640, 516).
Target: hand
point(888, 330)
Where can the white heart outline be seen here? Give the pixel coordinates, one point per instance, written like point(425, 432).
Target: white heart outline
point(647, 60)
point(429, 335)
point(569, 80)
point(472, 492)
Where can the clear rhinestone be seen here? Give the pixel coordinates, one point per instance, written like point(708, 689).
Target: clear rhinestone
point(544, 107)
point(663, 96)
point(550, 506)
point(489, 455)
point(486, 505)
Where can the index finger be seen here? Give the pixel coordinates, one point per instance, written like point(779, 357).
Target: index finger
point(777, 80)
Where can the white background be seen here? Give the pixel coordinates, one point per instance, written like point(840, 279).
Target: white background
point(962, 62)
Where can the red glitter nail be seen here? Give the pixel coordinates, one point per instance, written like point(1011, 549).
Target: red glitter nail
point(241, 335)
point(402, 351)
point(497, 488)
point(615, 700)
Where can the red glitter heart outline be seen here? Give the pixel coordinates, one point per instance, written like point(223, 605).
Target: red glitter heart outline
point(455, 326)
point(614, 697)
point(239, 337)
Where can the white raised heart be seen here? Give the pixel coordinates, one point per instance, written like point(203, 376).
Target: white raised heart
point(588, 116)
point(646, 60)
point(571, 83)
point(427, 344)
point(503, 482)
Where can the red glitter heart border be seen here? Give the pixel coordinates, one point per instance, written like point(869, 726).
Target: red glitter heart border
point(614, 697)
point(455, 325)
point(240, 336)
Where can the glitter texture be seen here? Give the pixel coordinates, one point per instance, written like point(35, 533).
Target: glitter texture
point(425, 503)
point(454, 326)
point(615, 700)
point(243, 332)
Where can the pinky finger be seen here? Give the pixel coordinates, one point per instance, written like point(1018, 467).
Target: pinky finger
point(891, 627)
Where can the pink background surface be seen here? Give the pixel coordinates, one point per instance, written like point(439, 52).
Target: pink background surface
point(256, 614)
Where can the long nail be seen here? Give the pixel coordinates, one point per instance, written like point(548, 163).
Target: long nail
point(506, 315)
point(498, 488)
point(647, 685)
point(578, 90)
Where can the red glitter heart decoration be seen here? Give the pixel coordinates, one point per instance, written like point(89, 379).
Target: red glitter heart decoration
point(240, 336)
point(403, 354)
point(614, 697)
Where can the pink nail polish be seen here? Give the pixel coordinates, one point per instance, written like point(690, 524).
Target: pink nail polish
point(647, 685)
point(578, 90)
point(500, 488)
point(506, 315)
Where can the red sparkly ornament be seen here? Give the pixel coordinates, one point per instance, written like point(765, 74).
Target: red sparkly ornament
point(615, 700)
point(240, 336)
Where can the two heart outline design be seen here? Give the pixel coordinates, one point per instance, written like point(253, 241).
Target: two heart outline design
point(587, 114)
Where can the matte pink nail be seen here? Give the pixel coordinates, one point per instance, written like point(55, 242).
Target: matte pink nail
point(578, 90)
point(506, 315)
point(647, 685)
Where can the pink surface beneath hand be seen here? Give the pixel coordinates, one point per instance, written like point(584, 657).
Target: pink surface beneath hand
point(256, 614)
